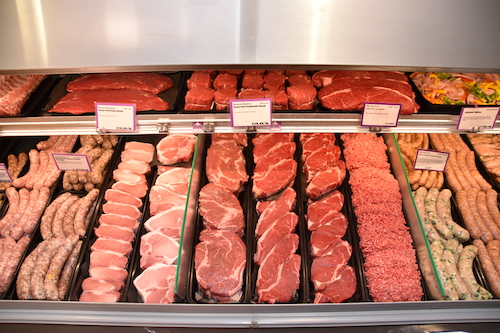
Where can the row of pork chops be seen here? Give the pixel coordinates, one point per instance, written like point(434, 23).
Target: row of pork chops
point(121, 214)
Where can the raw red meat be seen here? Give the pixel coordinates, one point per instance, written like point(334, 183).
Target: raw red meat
point(279, 229)
point(121, 175)
point(234, 72)
point(156, 284)
point(121, 209)
point(152, 82)
point(156, 247)
point(255, 71)
point(199, 99)
point(301, 96)
point(278, 275)
point(324, 209)
point(272, 210)
point(297, 79)
point(251, 93)
point(168, 219)
point(276, 178)
point(312, 143)
point(326, 180)
point(175, 179)
point(280, 151)
point(324, 78)
point(274, 81)
point(112, 245)
point(115, 232)
point(331, 217)
point(139, 146)
point(252, 81)
point(161, 198)
point(138, 190)
point(264, 142)
point(223, 96)
point(240, 138)
point(101, 286)
point(137, 156)
point(319, 159)
point(80, 102)
point(327, 240)
point(199, 79)
point(119, 220)
point(225, 80)
point(221, 209)
point(108, 273)
point(108, 259)
point(140, 167)
point(122, 197)
point(279, 97)
point(220, 259)
point(100, 297)
point(15, 91)
point(176, 148)
point(333, 282)
point(361, 83)
point(226, 166)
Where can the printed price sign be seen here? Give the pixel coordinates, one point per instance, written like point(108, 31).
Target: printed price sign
point(251, 112)
point(380, 115)
point(4, 174)
point(111, 117)
point(430, 160)
point(72, 162)
point(477, 118)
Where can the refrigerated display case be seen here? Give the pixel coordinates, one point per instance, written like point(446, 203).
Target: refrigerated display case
point(117, 36)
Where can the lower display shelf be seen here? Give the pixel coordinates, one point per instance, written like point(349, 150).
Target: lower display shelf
point(249, 316)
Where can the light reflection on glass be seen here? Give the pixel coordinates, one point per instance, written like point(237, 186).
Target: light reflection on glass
point(33, 32)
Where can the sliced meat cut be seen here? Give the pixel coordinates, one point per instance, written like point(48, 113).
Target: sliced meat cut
point(101, 286)
point(220, 259)
point(100, 297)
point(319, 209)
point(138, 190)
point(168, 219)
point(301, 96)
point(252, 81)
point(122, 197)
point(108, 259)
point(326, 180)
point(226, 166)
point(152, 82)
point(274, 81)
point(359, 83)
point(225, 81)
point(199, 79)
point(324, 78)
point(199, 99)
point(221, 209)
point(333, 282)
point(113, 245)
point(279, 97)
point(156, 284)
point(139, 167)
point(251, 93)
point(121, 175)
point(223, 96)
point(80, 102)
point(275, 179)
point(320, 159)
point(108, 273)
point(328, 240)
point(176, 148)
point(297, 79)
point(120, 221)
point(175, 179)
point(115, 232)
point(240, 138)
point(156, 247)
point(162, 198)
point(280, 151)
point(121, 209)
point(314, 142)
point(264, 142)
point(274, 209)
point(315, 219)
point(139, 146)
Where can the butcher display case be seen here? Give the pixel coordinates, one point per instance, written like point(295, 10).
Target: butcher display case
point(168, 36)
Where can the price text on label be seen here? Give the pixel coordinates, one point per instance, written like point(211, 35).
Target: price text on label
point(4, 174)
point(430, 160)
point(115, 117)
point(477, 118)
point(383, 115)
point(72, 162)
point(251, 112)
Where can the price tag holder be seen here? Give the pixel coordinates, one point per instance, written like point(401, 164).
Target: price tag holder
point(198, 127)
point(251, 112)
point(4, 174)
point(115, 117)
point(475, 119)
point(430, 160)
point(275, 126)
point(72, 162)
point(380, 115)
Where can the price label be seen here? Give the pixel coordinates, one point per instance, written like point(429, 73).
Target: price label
point(198, 127)
point(430, 160)
point(275, 126)
point(115, 117)
point(72, 162)
point(380, 115)
point(251, 112)
point(477, 118)
point(4, 174)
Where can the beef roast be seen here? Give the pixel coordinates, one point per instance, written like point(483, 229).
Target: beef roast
point(199, 79)
point(274, 179)
point(223, 96)
point(327, 179)
point(272, 210)
point(225, 80)
point(301, 96)
point(334, 282)
point(252, 81)
point(199, 99)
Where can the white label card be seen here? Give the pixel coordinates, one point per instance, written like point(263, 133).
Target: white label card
point(72, 162)
point(115, 117)
point(381, 115)
point(4, 174)
point(477, 118)
point(430, 160)
point(251, 112)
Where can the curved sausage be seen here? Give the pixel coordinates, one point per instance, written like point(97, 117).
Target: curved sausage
point(489, 269)
point(23, 282)
point(13, 198)
point(432, 215)
point(67, 271)
point(472, 195)
point(56, 265)
point(24, 196)
point(7, 272)
point(492, 202)
point(469, 220)
point(97, 174)
point(471, 165)
point(67, 185)
point(443, 208)
point(34, 164)
point(452, 160)
point(485, 215)
point(40, 204)
point(423, 178)
point(429, 229)
point(48, 215)
point(462, 164)
point(465, 269)
point(57, 223)
point(8, 246)
point(81, 215)
point(450, 264)
point(69, 218)
point(42, 145)
point(436, 141)
point(493, 248)
point(431, 180)
point(87, 140)
point(41, 175)
point(17, 232)
point(52, 173)
point(42, 265)
point(113, 139)
point(437, 251)
point(11, 166)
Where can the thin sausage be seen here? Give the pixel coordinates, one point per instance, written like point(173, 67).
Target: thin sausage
point(23, 282)
point(41, 175)
point(448, 146)
point(453, 162)
point(437, 251)
point(465, 269)
point(52, 174)
point(423, 177)
point(81, 215)
point(37, 212)
point(13, 198)
point(486, 235)
point(113, 139)
point(42, 145)
point(97, 174)
point(492, 275)
point(452, 178)
point(471, 165)
point(436, 141)
point(493, 248)
point(98, 138)
point(42, 265)
point(429, 229)
point(443, 208)
point(8, 246)
point(34, 164)
point(419, 139)
point(67, 185)
point(492, 202)
point(460, 142)
point(17, 232)
point(425, 142)
point(57, 223)
point(439, 181)
point(24, 196)
point(87, 140)
point(469, 220)
point(462, 163)
point(432, 215)
point(67, 271)
point(93, 155)
point(431, 180)
point(485, 215)
point(56, 265)
point(450, 264)
point(56, 147)
point(69, 218)
point(7, 272)
point(48, 216)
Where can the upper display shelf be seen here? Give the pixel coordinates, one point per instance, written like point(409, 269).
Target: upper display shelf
point(101, 36)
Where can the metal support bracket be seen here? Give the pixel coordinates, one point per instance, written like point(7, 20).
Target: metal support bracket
point(163, 127)
point(377, 129)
